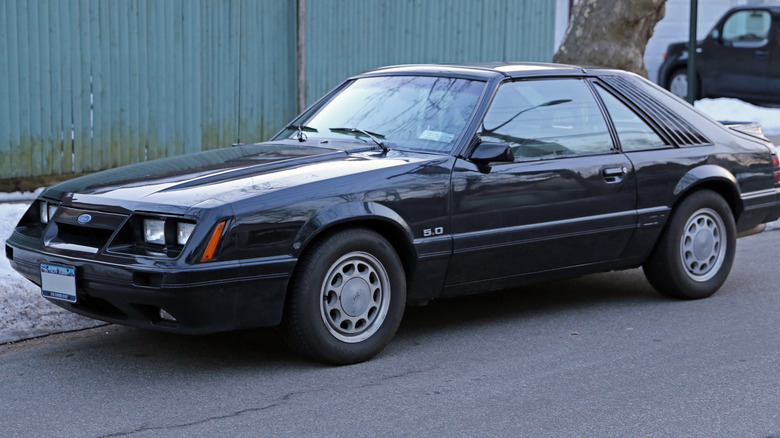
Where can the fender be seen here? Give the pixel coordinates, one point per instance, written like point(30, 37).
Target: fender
point(420, 287)
point(710, 173)
point(349, 212)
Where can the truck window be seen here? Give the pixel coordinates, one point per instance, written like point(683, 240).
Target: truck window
point(748, 28)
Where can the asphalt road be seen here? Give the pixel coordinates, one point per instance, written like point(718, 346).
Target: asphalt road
point(602, 355)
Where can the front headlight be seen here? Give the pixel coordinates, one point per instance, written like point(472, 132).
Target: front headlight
point(154, 231)
point(47, 211)
point(44, 213)
point(159, 231)
point(183, 232)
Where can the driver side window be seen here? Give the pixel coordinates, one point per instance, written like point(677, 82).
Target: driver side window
point(747, 29)
point(546, 118)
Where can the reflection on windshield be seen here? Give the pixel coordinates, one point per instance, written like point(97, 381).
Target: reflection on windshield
point(410, 112)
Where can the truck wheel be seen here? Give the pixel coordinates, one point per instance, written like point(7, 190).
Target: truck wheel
point(346, 299)
point(695, 252)
point(678, 84)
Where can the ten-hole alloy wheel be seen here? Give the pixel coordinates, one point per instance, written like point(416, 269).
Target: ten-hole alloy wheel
point(696, 249)
point(346, 298)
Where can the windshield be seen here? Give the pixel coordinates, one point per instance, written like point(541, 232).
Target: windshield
point(404, 112)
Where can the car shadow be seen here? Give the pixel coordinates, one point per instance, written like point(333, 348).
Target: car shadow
point(228, 350)
point(614, 289)
point(256, 347)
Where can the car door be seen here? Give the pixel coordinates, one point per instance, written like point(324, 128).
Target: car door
point(568, 199)
point(735, 59)
point(774, 58)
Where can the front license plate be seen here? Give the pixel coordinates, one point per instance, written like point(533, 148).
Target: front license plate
point(58, 282)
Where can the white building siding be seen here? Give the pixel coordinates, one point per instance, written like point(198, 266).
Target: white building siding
point(561, 21)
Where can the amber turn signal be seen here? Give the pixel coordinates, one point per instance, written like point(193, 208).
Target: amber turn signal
point(208, 254)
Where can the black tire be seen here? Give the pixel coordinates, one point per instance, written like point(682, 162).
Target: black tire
point(695, 251)
point(357, 264)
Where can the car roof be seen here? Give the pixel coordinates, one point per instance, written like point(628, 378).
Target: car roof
point(773, 8)
point(480, 70)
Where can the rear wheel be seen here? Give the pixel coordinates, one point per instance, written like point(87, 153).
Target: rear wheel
point(346, 299)
point(696, 250)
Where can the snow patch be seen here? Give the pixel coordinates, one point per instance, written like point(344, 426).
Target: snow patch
point(735, 110)
point(24, 313)
point(20, 196)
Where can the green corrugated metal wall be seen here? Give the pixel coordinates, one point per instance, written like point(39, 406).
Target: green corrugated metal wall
point(164, 75)
point(344, 37)
point(91, 84)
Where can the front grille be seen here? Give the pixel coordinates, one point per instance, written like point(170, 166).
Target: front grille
point(85, 236)
point(92, 232)
point(81, 230)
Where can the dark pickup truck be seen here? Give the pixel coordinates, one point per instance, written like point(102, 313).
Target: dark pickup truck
point(739, 58)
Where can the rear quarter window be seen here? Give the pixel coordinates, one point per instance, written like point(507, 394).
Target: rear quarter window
point(670, 117)
point(633, 132)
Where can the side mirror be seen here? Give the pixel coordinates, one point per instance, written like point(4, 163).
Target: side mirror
point(489, 152)
point(716, 35)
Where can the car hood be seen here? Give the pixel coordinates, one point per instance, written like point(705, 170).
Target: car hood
point(217, 177)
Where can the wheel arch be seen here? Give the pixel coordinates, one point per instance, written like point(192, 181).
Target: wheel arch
point(373, 216)
point(714, 178)
point(674, 68)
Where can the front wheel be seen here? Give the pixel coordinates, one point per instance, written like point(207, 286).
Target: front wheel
point(678, 84)
point(346, 298)
point(696, 250)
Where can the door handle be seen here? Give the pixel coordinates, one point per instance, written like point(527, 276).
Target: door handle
point(614, 171)
point(614, 174)
point(761, 52)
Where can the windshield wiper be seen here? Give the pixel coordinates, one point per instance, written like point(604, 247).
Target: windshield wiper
point(372, 135)
point(300, 136)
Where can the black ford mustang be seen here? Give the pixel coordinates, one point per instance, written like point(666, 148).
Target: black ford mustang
point(403, 185)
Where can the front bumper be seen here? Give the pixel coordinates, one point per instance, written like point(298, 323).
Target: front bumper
point(210, 298)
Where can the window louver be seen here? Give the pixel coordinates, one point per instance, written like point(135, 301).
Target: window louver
point(676, 129)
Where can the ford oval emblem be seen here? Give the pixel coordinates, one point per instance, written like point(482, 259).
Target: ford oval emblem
point(84, 218)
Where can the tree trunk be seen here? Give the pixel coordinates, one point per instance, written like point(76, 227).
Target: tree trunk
point(610, 33)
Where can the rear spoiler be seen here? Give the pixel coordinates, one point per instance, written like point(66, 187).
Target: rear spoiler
point(752, 129)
